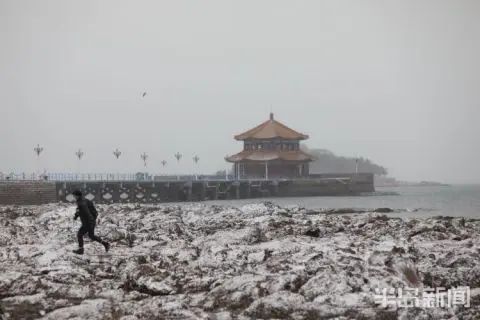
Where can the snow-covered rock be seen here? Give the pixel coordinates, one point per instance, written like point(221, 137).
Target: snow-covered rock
point(261, 261)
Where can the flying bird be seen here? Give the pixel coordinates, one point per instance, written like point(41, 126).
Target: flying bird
point(144, 94)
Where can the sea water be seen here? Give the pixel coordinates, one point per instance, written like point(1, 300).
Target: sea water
point(456, 200)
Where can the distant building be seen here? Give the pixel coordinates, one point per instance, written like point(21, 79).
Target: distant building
point(271, 150)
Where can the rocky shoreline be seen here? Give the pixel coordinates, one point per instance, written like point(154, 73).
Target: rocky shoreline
point(260, 261)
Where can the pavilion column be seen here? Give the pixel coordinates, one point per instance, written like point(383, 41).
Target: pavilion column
point(300, 170)
point(266, 170)
point(238, 170)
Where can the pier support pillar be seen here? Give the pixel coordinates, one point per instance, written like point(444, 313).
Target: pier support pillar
point(202, 192)
point(275, 188)
point(215, 192)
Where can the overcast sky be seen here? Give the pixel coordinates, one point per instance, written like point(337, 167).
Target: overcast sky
point(395, 81)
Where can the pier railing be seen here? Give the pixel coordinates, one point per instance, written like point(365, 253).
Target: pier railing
point(54, 176)
point(138, 177)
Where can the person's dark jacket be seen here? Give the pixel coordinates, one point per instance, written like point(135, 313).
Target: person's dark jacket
point(86, 211)
point(92, 209)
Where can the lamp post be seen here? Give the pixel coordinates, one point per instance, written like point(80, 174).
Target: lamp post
point(144, 157)
point(226, 170)
point(38, 150)
point(356, 163)
point(178, 156)
point(195, 159)
point(117, 153)
point(164, 163)
point(79, 155)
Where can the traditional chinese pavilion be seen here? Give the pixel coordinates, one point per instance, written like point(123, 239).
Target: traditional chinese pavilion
point(271, 150)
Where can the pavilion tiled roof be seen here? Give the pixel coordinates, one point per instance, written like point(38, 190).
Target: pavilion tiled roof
point(269, 155)
point(271, 129)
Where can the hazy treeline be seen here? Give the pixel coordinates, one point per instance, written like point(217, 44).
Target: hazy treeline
point(327, 162)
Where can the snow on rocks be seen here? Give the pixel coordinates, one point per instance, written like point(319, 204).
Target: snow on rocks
point(261, 261)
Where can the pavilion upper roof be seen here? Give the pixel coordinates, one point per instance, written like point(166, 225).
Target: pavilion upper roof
point(271, 129)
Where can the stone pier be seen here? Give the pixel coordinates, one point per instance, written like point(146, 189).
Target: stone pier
point(39, 192)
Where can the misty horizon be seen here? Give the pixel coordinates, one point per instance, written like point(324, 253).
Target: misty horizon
point(396, 83)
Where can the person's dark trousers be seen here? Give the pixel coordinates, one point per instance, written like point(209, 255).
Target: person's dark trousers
point(90, 229)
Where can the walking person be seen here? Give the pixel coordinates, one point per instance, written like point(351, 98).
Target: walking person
point(88, 215)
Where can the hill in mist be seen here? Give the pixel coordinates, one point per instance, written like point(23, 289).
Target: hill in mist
point(327, 162)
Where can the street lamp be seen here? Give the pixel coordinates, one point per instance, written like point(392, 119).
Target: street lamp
point(356, 163)
point(38, 150)
point(117, 153)
point(178, 156)
point(195, 159)
point(164, 163)
point(144, 157)
point(226, 170)
point(79, 154)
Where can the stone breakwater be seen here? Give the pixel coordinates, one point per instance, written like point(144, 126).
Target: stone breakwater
point(211, 262)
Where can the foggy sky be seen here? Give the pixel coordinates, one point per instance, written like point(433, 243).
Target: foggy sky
point(394, 81)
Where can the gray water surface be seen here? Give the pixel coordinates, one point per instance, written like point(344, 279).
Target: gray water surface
point(458, 200)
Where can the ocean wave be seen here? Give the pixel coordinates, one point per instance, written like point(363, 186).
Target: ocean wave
point(368, 210)
point(381, 193)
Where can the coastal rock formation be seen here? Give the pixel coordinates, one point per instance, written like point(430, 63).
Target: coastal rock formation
point(261, 261)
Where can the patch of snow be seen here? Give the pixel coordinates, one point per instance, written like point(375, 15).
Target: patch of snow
point(259, 261)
